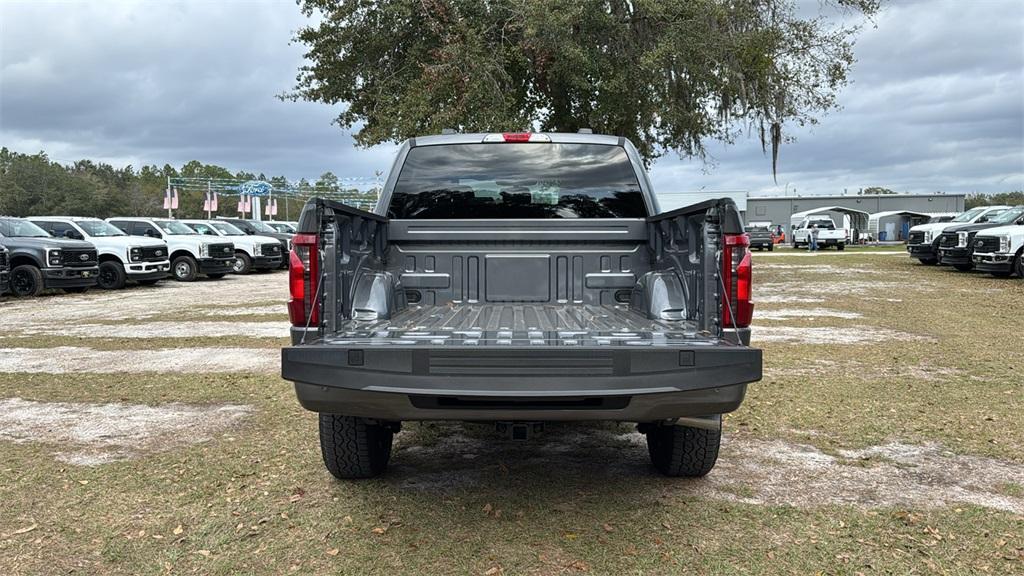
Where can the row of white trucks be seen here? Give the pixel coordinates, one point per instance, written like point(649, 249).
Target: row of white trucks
point(77, 253)
point(986, 238)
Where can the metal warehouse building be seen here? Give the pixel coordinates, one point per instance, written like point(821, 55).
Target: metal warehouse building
point(779, 209)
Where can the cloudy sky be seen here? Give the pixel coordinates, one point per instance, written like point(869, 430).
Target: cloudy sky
point(936, 103)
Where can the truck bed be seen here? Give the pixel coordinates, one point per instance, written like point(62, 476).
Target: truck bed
point(518, 325)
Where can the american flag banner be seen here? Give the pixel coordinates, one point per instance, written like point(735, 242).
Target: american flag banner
point(273, 211)
point(241, 204)
point(247, 204)
point(174, 199)
point(213, 205)
point(167, 199)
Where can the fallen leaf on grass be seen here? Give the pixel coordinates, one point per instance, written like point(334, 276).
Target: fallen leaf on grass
point(204, 553)
point(178, 530)
point(608, 528)
point(333, 552)
point(488, 508)
point(25, 529)
point(379, 530)
point(492, 571)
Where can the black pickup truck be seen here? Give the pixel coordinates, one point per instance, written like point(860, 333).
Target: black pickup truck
point(957, 243)
point(520, 278)
point(39, 261)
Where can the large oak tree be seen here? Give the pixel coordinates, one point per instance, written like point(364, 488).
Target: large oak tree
point(667, 74)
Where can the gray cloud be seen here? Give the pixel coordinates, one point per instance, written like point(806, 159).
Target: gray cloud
point(936, 103)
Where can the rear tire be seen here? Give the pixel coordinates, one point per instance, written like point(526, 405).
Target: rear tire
point(771, 247)
point(684, 451)
point(183, 268)
point(354, 447)
point(111, 276)
point(1020, 265)
point(840, 247)
point(26, 281)
point(964, 267)
point(928, 261)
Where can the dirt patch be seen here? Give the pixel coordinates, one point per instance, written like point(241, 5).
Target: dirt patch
point(786, 313)
point(278, 309)
point(818, 269)
point(838, 287)
point(143, 302)
point(165, 330)
point(815, 367)
point(764, 472)
point(93, 434)
point(72, 359)
point(844, 335)
point(894, 474)
point(785, 299)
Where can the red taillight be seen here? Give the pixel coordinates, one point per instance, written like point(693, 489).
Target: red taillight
point(736, 276)
point(303, 277)
point(516, 136)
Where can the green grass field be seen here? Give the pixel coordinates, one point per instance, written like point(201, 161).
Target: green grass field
point(899, 454)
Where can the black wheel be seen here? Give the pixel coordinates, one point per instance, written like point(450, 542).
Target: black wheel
point(77, 290)
point(1020, 265)
point(184, 268)
point(771, 247)
point(964, 267)
point(928, 261)
point(840, 246)
point(1002, 274)
point(683, 450)
point(149, 282)
point(112, 275)
point(215, 276)
point(243, 264)
point(354, 447)
point(26, 281)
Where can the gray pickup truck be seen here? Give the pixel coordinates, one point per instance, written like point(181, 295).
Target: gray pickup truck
point(520, 278)
point(39, 261)
point(5, 268)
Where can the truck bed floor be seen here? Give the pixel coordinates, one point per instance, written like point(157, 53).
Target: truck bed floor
point(518, 324)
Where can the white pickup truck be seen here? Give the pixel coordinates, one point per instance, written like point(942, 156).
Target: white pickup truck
point(923, 242)
point(121, 257)
point(191, 253)
point(1000, 251)
point(251, 252)
point(824, 228)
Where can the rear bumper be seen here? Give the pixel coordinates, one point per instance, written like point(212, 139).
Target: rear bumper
point(70, 277)
point(216, 265)
point(493, 383)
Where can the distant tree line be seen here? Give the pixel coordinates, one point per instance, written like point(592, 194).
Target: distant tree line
point(1015, 198)
point(35, 185)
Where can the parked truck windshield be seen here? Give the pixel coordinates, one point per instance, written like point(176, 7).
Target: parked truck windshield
point(13, 228)
point(542, 180)
point(98, 228)
point(174, 227)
